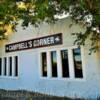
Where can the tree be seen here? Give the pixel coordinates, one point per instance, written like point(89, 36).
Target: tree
point(86, 12)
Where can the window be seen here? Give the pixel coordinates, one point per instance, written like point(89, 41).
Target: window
point(77, 63)
point(9, 67)
point(44, 64)
point(65, 63)
point(16, 65)
point(54, 63)
point(5, 65)
point(62, 63)
point(19, 0)
point(0, 66)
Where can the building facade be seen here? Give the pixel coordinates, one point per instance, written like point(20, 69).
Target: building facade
point(44, 59)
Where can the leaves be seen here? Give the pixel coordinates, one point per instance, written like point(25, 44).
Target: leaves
point(35, 11)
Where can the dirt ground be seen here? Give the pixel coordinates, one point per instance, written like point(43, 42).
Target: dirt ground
point(25, 95)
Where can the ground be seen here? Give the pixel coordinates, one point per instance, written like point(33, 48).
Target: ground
point(26, 95)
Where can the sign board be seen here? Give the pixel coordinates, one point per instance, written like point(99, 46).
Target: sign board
point(50, 40)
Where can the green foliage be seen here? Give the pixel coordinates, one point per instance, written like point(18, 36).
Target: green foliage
point(44, 10)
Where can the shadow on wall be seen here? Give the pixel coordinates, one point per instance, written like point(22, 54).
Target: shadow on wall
point(3, 42)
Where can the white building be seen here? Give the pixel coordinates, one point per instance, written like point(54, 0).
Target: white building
point(45, 60)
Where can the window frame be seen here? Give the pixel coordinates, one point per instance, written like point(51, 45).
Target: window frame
point(7, 76)
point(71, 64)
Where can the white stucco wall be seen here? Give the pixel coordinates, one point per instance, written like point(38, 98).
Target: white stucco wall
point(29, 69)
